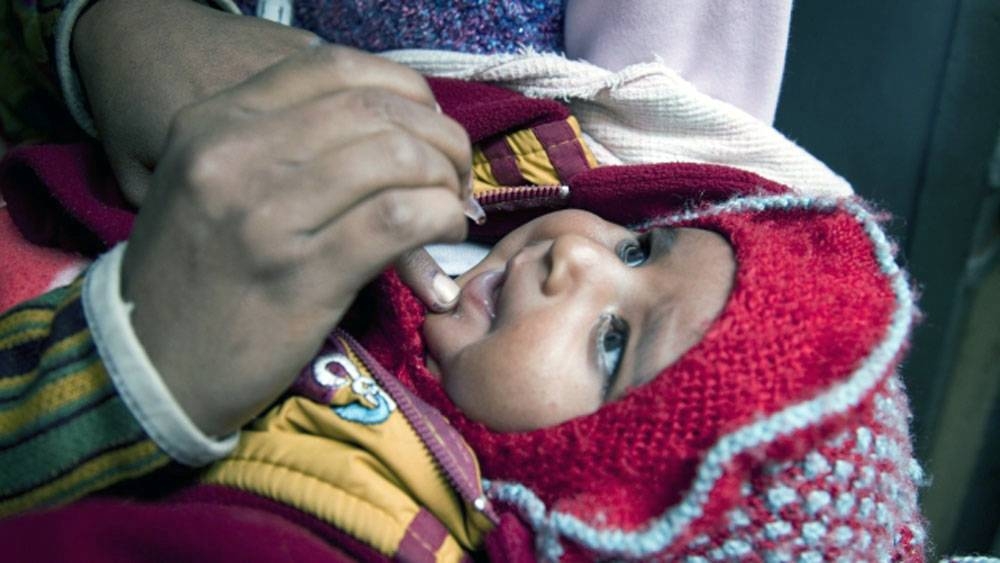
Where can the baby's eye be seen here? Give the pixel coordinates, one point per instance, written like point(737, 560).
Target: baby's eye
point(634, 253)
point(611, 343)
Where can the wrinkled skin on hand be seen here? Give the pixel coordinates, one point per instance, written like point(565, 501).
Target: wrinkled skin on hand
point(266, 205)
point(143, 60)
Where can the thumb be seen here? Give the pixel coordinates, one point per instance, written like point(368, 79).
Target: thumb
point(424, 276)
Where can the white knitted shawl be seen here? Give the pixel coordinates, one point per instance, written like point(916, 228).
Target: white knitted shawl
point(643, 113)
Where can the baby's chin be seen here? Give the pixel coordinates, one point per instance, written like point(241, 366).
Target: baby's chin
point(432, 367)
point(444, 336)
point(432, 348)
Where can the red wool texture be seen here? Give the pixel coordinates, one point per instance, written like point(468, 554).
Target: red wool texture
point(809, 303)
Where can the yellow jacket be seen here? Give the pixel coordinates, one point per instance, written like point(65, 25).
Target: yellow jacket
point(364, 455)
point(361, 452)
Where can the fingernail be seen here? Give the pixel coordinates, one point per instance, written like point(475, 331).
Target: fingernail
point(445, 289)
point(437, 106)
point(474, 211)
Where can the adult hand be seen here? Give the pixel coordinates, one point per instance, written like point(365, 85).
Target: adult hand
point(143, 60)
point(140, 61)
point(275, 201)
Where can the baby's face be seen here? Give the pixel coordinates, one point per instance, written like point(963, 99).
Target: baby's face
point(569, 312)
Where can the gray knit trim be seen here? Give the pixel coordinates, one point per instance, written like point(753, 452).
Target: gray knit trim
point(660, 532)
point(69, 81)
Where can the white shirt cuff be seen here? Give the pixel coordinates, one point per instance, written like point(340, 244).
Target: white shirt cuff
point(133, 374)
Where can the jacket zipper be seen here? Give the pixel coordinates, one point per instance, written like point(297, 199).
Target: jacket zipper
point(469, 489)
point(522, 197)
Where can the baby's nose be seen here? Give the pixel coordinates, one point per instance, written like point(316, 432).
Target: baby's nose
point(572, 260)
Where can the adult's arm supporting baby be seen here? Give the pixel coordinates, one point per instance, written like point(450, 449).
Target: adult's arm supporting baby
point(733, 51)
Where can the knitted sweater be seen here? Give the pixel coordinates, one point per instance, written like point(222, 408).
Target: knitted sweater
point(64, 429)
point(783, 435)
point(731, 53)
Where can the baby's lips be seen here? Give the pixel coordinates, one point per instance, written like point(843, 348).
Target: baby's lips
point(482, 291)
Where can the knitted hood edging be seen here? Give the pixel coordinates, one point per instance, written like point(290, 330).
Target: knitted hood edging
point(770, 435)
point(658, 534)
point(813, 426)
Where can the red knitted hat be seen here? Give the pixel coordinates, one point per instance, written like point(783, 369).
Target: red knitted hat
point(792, 369)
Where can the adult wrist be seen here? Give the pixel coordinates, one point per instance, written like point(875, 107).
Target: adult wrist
point(136, 379)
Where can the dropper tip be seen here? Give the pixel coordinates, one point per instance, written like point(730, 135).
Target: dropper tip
point(474, 211)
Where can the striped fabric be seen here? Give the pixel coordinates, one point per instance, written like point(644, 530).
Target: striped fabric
point(544, 155)
point(64, 431)
point(352, 447)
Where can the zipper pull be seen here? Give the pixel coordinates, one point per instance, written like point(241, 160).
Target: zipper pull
point(474, 211)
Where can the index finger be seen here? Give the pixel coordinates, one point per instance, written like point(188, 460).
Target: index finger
point(325, 69)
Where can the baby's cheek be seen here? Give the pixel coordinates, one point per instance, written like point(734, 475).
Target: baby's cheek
point(436, 339)
point(488, 394)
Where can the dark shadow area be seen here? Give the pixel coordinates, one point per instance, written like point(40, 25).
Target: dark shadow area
point(903, 99)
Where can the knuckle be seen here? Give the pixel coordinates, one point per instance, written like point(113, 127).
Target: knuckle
point(416, 84)
point(208, 171)
point(406, 153)
point(395, 214)
point(302, 39)
point(461, 137)
point(202, 166)
point(341, 60)
point(263, 221)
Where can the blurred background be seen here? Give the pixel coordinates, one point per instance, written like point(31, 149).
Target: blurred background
point(902, 97)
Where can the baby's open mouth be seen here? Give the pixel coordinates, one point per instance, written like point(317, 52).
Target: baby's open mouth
point(484, 291)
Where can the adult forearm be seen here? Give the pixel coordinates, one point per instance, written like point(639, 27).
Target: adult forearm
point(142, 60)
